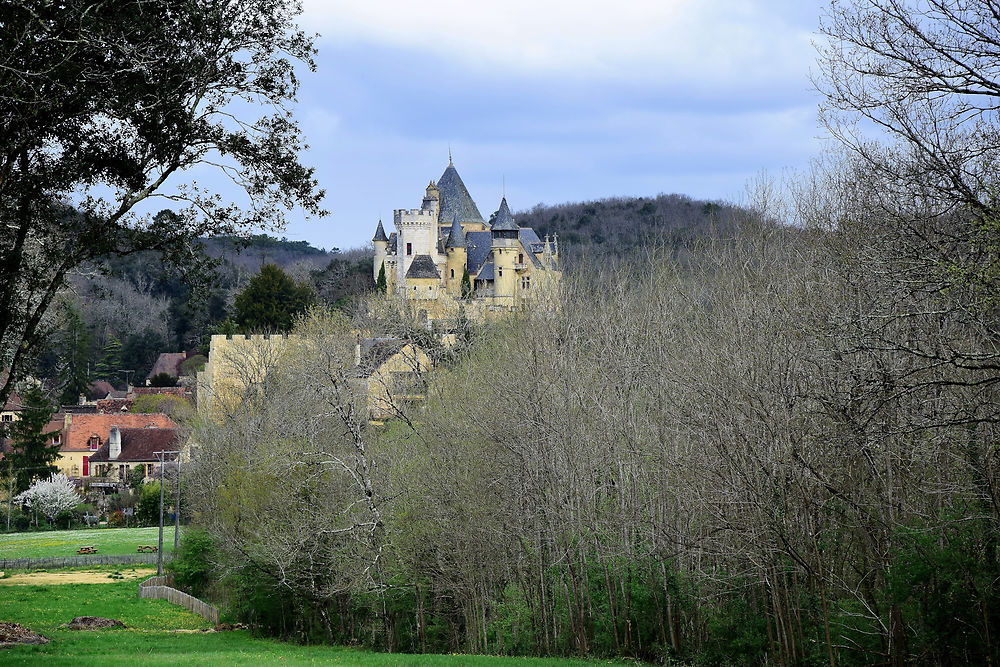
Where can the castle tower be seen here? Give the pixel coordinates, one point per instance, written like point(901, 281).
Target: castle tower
point(457, 258)
point(418, 234)
point(381, 242)
point(505, 245)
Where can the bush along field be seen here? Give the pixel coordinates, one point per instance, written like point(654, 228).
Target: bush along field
point(160, 633)
point(58, 543)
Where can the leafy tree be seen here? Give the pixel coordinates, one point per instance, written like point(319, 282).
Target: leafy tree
point(136, 477)
point(32, 457)
point(380, 283)
point(272, 301)
point(50, 496)
point(117, 101)
point(163, 380)
point(74, 346)
point(147, 511)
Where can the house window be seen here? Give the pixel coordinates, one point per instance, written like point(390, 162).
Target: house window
point(8, 418)
point(409, 248)
point(95, 442)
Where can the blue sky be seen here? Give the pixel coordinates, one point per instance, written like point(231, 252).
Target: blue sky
point(565, 101)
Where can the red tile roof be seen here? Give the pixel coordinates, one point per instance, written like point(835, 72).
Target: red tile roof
point(82, 427)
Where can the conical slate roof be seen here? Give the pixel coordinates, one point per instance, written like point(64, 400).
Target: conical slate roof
point(455, 199)
point(456, 239)
point(380, 233)
point(504, 221)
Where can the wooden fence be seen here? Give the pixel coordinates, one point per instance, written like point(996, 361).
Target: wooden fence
point(77, 561)
point(159, 588)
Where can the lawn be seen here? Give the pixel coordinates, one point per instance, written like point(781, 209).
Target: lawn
point(150, 637)
point(109, 541)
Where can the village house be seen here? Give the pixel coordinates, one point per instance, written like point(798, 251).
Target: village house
point(83, 435)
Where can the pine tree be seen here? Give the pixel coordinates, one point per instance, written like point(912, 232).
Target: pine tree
point(466, 285)
point(32, 457)
point(74, 345)
point(380, 285)
point(110, 361)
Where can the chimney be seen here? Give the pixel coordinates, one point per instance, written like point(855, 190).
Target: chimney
point(114, 444)
point(68, 420)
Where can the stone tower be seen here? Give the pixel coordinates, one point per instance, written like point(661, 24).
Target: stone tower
point(457, 256)
point(505, 244)
point(381, 242)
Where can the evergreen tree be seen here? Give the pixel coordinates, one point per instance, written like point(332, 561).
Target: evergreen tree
point(271, 301)
point(111, 359)
point(466, 285)
point(380, 284)
point(75, 342)
point(32, 457)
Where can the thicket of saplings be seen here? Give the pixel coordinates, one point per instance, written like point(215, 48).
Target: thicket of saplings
point(781, 451)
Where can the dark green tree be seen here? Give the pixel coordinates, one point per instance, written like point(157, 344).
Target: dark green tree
point(466, 285)
point(111, 360)
point(380, 283)
point(139, 353)
point(121, 100)
point(271, 301)
point(163, 380)
point(74, 346)
point(32, 457)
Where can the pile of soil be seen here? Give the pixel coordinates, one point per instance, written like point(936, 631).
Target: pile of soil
point(223, 627)
point(94, 623)
point(12, 634)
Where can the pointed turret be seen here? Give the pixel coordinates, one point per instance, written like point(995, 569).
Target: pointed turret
point(456, 239)
point(457, 258)
point(503, 221)
point(381, 243)
point(455, 198)
point(380, 233)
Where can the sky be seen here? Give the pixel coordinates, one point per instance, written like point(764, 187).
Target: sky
point(550, 101)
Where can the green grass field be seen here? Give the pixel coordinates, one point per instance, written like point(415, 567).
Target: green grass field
point(150, 638)
point(109, 541)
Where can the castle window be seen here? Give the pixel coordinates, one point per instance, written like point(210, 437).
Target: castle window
point(520, 258)
point(500, 272)
point(409, 248)
point(453, 273)
point(429, 287)
point(525, 282)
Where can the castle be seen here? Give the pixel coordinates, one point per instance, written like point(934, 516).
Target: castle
point(444, 255)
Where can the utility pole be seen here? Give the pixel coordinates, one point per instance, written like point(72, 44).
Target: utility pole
point(159, 549)
point(177, 505)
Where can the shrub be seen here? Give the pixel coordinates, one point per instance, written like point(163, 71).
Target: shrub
point(21, 522)
point(64, 519)
point(192, 564)
point(163, 380)
point(116, 519)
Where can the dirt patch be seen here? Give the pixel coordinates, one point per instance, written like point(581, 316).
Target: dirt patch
point(76, 577)
point(94, 623)
point(226, 627)
point(12, 634)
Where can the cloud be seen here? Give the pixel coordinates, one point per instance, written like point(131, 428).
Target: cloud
point(691, 41)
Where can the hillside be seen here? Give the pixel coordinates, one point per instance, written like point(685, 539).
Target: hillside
point(619, 224)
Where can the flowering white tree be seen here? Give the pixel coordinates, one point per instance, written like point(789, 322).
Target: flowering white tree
point(50, 496)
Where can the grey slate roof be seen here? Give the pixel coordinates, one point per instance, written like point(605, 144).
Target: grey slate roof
point(454, 198)
point(422, 266)
point(503, 221)
point(456, 238)
point(375, 352)
point(486, 273)
point(478, 246)
point(380, 233)
point(391, 248)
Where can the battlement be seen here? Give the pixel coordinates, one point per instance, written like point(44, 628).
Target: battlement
point(400, 213)
point(253, 338)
